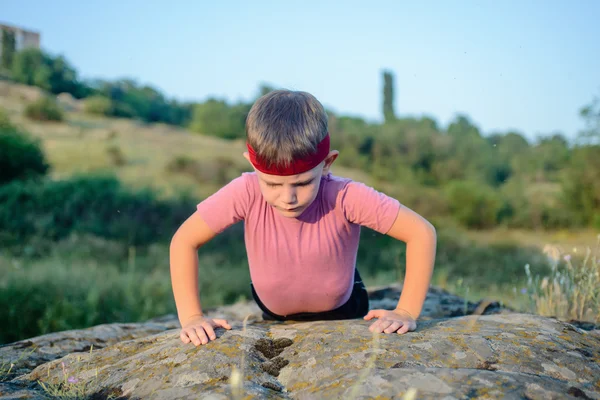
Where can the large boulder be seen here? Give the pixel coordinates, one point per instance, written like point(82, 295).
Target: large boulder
point(490, 352)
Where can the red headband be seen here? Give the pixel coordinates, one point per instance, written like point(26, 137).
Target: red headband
point(297, 166)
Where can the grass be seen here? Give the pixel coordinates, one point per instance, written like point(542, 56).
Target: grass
point(73, 387)
point(88, 281)
point(571, 291)
point(81, 288)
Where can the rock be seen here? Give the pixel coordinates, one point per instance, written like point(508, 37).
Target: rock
point(498, 355)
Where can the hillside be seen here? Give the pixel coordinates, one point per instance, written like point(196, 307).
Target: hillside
point(167, 158)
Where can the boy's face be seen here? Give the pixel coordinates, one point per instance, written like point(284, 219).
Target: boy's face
point(291, 195)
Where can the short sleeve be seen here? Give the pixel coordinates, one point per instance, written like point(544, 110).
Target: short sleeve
point(227, 206)
point(363, 205)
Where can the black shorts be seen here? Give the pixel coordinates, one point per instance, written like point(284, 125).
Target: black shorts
point(357, 306)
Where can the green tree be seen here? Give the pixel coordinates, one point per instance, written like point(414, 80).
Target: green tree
point(34, 67)
point(581, 184)
point(129, 99)
point(8, 48)
point(265, 89)
point(388, 97)
point(465, 154)
point(591, 116)
point(21, 156)
point(215, 117)
point(472, 204)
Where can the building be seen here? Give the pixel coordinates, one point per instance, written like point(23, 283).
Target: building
point(23, 38)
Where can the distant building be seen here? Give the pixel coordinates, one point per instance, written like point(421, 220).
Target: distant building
point(23, 38)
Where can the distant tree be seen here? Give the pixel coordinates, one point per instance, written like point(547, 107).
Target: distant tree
point(504, 149)
point(215, 117)
point(265, 89)
point(581, 177)
point(9, 46)
point(473, 205)
point(581, 184)
point(388, 97)
point(591, 116)
point(34, 67)
point(128, 99)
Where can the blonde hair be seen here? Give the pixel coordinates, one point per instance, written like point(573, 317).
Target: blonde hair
point(284, 125)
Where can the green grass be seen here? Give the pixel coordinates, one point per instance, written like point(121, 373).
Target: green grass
point(85, 281)
point(69, 290)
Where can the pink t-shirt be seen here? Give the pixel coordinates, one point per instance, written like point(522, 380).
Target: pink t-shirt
point(303, 264)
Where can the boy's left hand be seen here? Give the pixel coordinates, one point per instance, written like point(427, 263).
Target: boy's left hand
point(391, 321)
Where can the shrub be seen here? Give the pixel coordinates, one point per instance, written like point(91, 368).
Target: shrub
point(21, 156)
point(98, 105)
point(116, 155)
point(95, 205)
point(473, 204)
point(44, 109)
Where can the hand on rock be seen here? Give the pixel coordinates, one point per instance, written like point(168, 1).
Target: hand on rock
point(391, 321)
point(201, 330)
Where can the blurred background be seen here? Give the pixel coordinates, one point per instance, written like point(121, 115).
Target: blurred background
point(117, 118)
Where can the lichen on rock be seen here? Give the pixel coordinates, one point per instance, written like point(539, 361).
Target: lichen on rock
point(499, 355)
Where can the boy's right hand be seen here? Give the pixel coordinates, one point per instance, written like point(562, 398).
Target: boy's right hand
point(200, 330)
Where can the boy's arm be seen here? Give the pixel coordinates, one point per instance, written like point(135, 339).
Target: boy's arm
point(190, 236)
point(420, 237)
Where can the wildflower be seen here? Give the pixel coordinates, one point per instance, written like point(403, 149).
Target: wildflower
point(72, 379)
point(567, 258)
point(524, 291)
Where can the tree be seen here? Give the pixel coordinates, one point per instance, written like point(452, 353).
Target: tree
point(591, 115)
point(580, 184)
point(217, 118)
point(265, 89)
point(34, 67)
point(388, 97)
point(8, 48)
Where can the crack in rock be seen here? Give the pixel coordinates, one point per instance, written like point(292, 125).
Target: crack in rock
point(272, 348)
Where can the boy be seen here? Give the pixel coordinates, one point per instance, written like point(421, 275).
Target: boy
point(301, 227)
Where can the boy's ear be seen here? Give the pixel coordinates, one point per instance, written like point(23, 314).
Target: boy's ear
point(331, 157)
point(247, 157)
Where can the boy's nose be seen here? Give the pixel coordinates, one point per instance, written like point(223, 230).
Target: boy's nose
point(289, 196)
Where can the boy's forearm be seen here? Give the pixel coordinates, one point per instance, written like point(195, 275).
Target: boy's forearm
point(184, 279)
point(420, 258)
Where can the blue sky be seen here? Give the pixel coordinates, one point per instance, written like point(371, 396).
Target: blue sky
point(524, 65)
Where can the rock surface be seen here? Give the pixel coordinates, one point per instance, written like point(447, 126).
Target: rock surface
point(500, 354)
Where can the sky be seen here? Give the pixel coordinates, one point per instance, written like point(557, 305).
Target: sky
point(528, 65)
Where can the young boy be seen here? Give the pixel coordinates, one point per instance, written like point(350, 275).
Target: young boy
point(301, 226)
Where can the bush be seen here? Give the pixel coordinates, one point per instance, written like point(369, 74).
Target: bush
point(116, 156)
point(21, 156)
point(98, 105)
point(44, 109)
point(99, 206)
point(473, 204)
